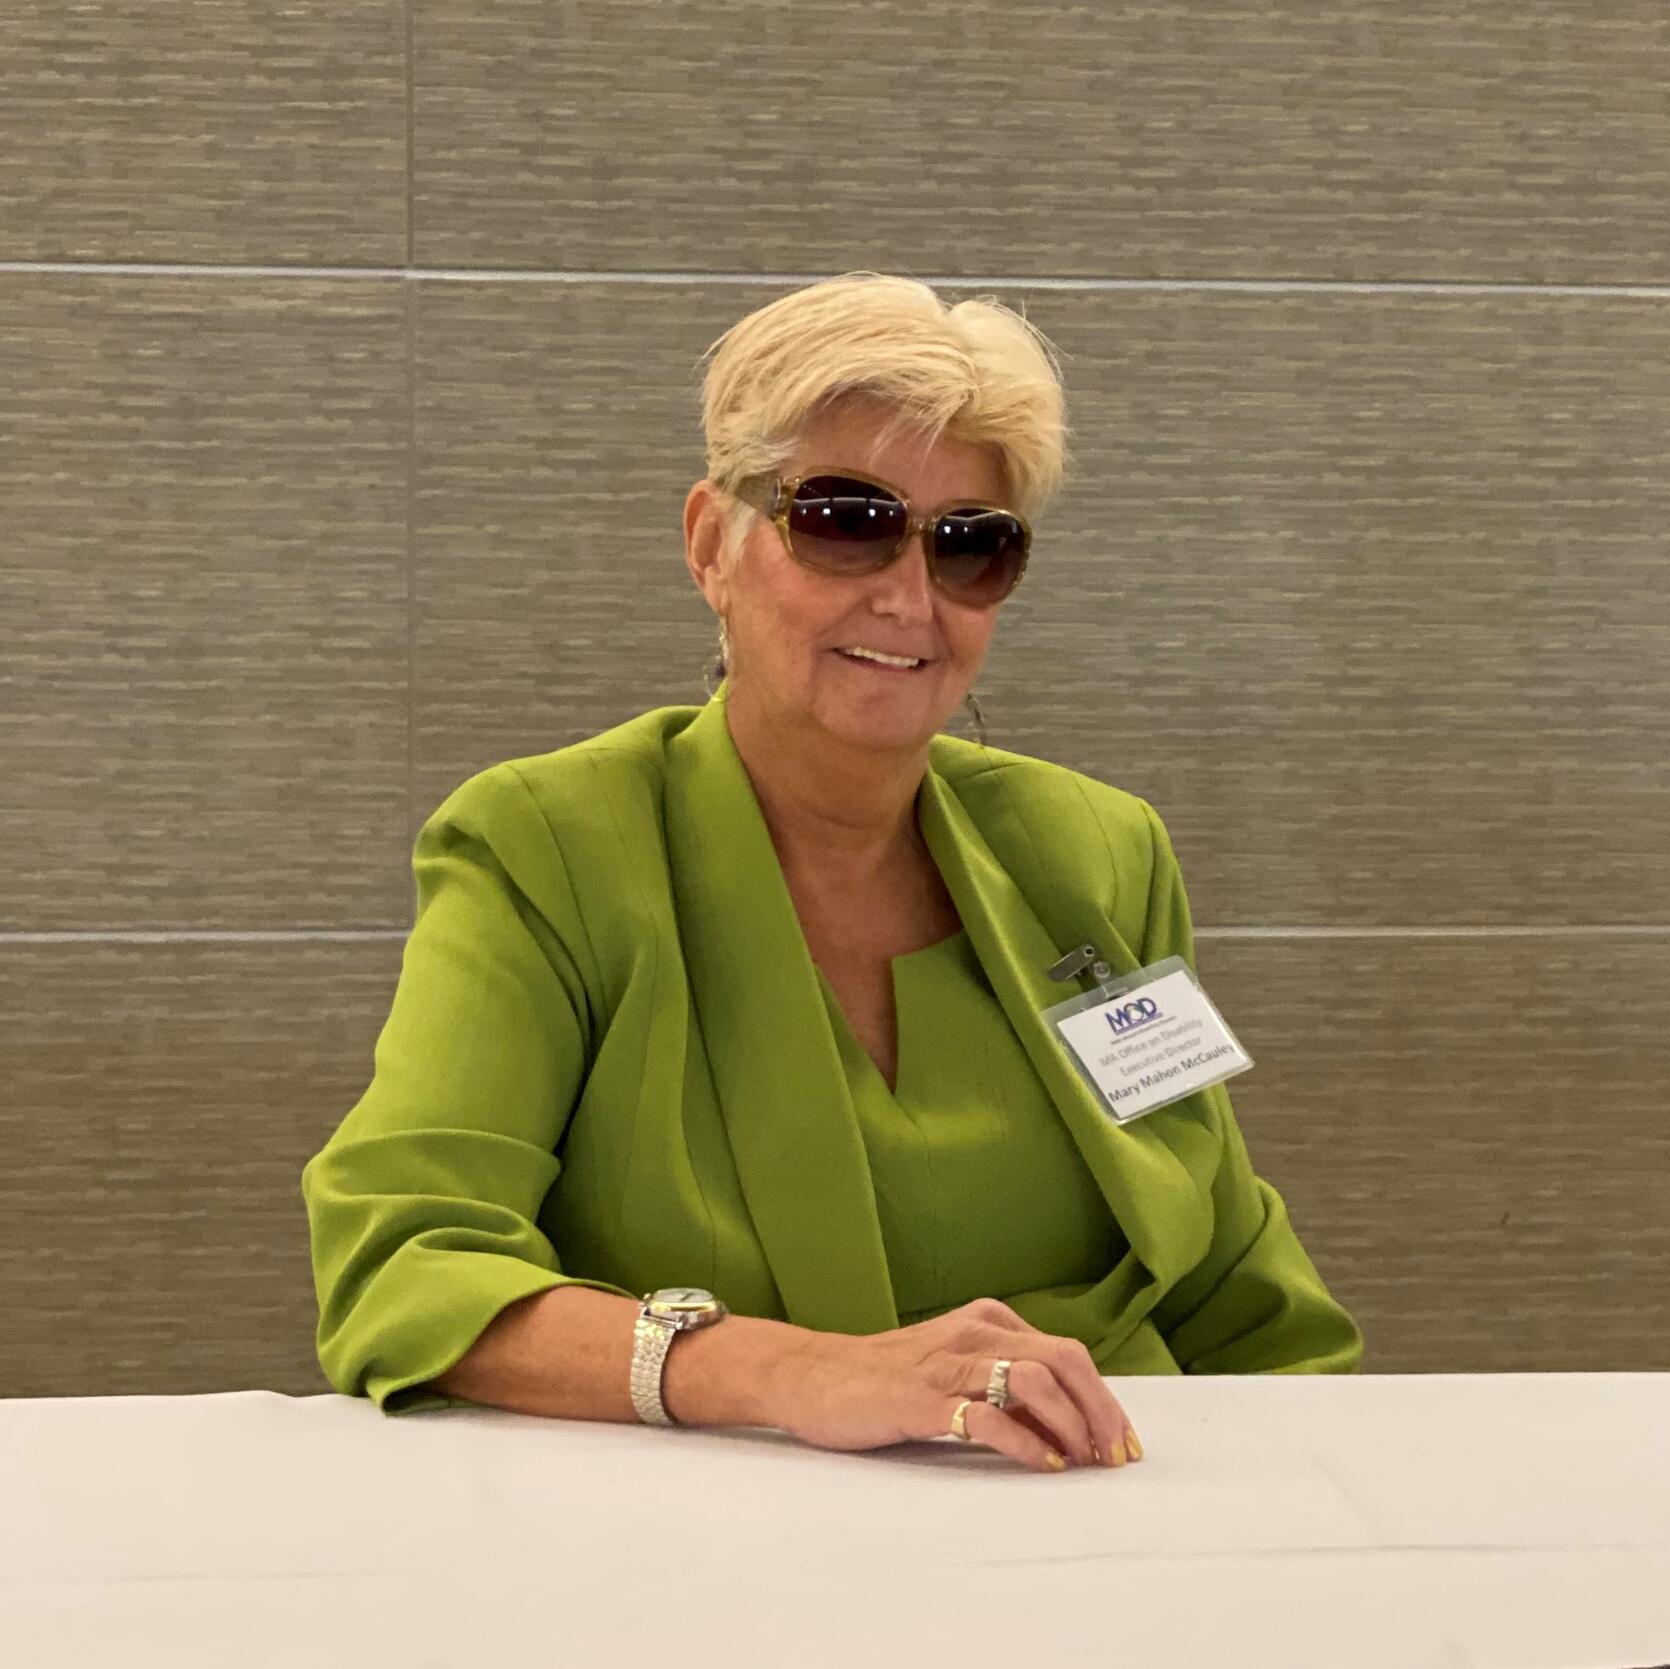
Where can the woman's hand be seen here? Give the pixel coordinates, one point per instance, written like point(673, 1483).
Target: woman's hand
point(847, 1391)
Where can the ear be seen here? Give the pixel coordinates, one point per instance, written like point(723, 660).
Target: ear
point(704, 528)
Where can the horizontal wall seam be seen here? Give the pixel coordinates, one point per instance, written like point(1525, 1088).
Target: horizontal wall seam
point(193, 936)
point(1007, 281)
point(1574, 930)
point(383, 935)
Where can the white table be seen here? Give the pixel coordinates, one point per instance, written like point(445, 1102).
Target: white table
point(1342, 1522)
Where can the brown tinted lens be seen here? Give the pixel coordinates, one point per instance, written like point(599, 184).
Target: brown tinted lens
point(841, 523)
point(979, 554)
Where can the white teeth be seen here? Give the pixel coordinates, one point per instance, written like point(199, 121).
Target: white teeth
point(886, 660)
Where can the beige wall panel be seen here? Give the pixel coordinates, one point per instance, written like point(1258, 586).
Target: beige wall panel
point(179, 131)
point(1352, 140)
point(203, 618)
point(1364, 592)
point(558, 431)
point(1367, 594)
point(1470, 1137)
point(1467, 1134)
point(161, 1100)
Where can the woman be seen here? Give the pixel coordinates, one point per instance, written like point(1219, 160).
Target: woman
point(750, 994)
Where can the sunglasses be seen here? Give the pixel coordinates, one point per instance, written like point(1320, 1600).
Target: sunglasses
point(840, 523)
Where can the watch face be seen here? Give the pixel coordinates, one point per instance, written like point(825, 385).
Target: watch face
point(685, 1306)
point(682, 1298)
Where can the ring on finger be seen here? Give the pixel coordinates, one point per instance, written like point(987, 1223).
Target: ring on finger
point(959, 1428)
point(997, 1387)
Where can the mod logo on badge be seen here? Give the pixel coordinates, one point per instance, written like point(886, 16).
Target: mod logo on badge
point(1126, 1017)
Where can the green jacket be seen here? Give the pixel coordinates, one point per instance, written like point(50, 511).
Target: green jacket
point(608, 1061)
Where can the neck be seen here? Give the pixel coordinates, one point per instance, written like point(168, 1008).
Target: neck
point(838, 815)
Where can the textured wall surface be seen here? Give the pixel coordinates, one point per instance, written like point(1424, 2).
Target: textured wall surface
point(348, 407)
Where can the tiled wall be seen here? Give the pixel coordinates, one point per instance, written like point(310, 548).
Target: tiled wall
point(347, 405)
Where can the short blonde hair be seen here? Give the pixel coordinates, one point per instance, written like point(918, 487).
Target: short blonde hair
point(977, 370)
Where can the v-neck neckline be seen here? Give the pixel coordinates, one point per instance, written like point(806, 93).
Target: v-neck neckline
point(838, 1014)
point(922, 950)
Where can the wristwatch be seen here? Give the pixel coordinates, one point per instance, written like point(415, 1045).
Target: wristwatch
point(664, 1313)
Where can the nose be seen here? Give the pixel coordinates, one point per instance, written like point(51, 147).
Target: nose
point(903, 587)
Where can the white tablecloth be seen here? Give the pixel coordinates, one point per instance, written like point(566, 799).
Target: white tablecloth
point(1397, 1520)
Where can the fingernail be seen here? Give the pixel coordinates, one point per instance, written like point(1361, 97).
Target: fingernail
point(1055, 1462)
point(1113, 1457)
point(1132, 1447)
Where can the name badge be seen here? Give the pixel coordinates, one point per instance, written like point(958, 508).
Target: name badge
point(1146, 1039)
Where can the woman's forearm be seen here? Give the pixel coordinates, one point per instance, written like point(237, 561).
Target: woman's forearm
point(567, 1353)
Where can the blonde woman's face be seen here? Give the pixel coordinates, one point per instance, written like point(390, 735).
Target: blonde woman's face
point(789, 623)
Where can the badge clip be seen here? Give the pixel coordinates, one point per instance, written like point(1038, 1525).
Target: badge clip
point(1086, 959)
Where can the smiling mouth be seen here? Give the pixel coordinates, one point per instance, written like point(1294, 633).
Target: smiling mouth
point(881, 666)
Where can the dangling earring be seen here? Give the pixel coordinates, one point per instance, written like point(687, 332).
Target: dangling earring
point(979, 718)
point(720, 665)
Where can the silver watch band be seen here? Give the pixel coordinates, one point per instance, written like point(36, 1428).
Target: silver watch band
point(650, 1342)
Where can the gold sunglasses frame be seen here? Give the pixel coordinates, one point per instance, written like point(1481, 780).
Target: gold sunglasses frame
point(775, 508)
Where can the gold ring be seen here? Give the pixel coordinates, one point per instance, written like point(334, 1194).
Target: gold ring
point(958, 1427)
point(997, 1387)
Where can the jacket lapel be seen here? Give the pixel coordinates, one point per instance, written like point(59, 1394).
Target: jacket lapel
point(800, 1157)
point(1150, 1191)
point(799, 1154)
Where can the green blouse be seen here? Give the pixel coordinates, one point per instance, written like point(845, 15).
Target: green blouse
point(980, 1187)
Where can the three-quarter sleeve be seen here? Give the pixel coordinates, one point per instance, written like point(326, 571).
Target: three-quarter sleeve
point(423, 1204)
point(1255, 1303)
